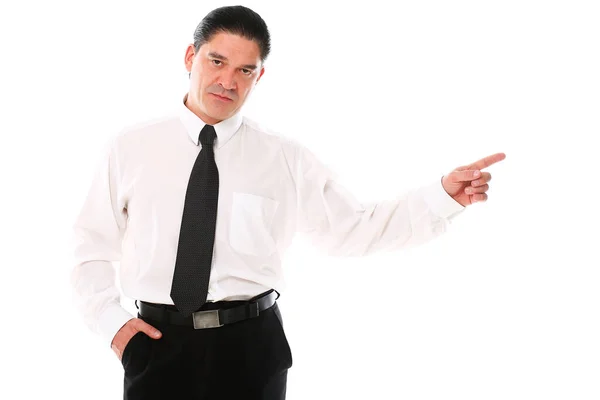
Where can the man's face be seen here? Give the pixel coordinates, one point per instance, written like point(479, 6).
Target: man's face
point(223, 73)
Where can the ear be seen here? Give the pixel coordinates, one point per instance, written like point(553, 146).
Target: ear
point(262, 71)
point(190, 53)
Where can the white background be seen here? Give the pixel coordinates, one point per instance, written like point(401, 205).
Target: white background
point(391, 95)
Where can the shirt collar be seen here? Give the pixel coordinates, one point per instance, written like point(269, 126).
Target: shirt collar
point(193, 124)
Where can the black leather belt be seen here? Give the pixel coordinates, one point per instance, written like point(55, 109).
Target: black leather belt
point(209, 318)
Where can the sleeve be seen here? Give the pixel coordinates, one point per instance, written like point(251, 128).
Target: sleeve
point(97, 235)
point(338, 224)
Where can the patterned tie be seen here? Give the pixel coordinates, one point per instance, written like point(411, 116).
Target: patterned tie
point(197, 234)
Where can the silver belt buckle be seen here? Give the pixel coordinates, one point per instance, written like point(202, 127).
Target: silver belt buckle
point(206, 319)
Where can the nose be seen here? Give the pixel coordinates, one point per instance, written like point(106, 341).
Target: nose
point(227, 80)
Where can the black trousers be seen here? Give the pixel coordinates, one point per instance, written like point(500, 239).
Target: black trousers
point(245, 360)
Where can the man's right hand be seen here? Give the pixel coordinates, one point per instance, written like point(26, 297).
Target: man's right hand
point(128, 330)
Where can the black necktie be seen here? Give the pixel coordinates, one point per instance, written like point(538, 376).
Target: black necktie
point(197, 234)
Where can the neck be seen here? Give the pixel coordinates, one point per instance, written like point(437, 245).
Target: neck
point(193, 107)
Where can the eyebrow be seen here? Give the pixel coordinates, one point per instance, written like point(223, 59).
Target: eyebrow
point(220, 57)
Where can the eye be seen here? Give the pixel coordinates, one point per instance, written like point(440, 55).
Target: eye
point(217, 62)
point(246, 71)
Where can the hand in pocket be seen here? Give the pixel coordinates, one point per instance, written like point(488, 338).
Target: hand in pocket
point(129, 330)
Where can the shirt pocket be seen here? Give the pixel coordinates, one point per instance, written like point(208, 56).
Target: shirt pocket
point(250, 224)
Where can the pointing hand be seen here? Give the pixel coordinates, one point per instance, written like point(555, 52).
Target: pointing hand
point(468, 184)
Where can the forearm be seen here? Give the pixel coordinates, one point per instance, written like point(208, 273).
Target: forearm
point(97, 298)
point(348, 228)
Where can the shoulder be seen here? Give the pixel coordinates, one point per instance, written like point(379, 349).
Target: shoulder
point(270, 135)
point(132, 133)
point(149, 125)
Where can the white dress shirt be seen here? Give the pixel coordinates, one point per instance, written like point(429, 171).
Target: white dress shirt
point(270, 188)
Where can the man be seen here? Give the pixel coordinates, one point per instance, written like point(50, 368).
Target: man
point(199, 207)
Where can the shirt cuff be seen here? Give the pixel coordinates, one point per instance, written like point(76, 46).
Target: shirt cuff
point(111, 320)
point(440, 202)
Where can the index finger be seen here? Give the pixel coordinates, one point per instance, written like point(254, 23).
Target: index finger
point(487, 161)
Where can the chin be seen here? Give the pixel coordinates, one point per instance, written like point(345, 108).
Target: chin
point(220, 114)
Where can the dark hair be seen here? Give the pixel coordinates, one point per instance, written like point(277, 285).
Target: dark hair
point(238, 20)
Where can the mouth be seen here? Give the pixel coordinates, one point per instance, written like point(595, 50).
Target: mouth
point(222, 98)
